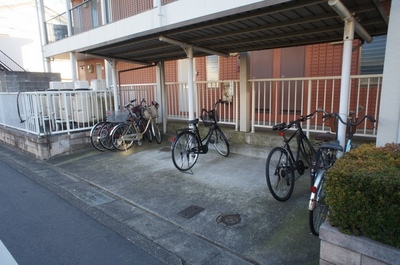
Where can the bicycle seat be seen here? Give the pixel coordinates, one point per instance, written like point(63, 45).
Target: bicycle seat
point(332, 145)
point(280, 127)
point(195, 121)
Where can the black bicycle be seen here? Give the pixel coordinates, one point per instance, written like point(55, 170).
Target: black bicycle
point(325, 158)
point(282, 164)
point(188, 144)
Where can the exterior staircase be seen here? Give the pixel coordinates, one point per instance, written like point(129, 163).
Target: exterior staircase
point(8, 64)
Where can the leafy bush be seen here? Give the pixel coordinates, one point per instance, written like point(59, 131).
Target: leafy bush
point(363, 193)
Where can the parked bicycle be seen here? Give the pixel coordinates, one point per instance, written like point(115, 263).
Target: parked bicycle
point(100, 133)
point(325, 158)
point(282, 164)
point(124, 135)
point(188, 144)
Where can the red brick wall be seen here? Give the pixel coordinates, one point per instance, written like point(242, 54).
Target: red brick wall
point(229, 68)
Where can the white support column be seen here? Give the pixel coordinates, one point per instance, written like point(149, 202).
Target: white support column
point(108, 72)
point(389, 112)
point(74, 71)
point(245, 92)
point(345, 82)
point(161, 96)
point(113, 64)
point(104, 10)
point(69, 19)
point(189, 52)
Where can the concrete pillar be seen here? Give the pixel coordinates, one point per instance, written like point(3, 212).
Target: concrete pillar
point(245, 92)
point(389, 112)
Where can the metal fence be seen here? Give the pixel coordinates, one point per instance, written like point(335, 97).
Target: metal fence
point(284, 99)
point(54, 112)
point(272, 101)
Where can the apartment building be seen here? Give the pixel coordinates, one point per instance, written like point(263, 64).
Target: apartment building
point(125, 41)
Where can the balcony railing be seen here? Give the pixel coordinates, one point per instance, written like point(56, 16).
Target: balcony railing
point(272, 101)
point(88, 15)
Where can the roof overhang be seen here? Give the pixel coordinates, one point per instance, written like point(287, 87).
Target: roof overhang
point(265, 26)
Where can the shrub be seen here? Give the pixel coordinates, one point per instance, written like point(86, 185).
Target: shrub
point(363, 193)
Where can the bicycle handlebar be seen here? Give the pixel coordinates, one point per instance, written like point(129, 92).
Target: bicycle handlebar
point(283, 126)
point(349, 123)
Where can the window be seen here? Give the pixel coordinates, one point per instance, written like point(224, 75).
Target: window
point(372, 56)
point(212, 68)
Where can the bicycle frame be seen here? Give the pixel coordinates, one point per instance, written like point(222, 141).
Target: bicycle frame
point(138, 135)
point(300, 136)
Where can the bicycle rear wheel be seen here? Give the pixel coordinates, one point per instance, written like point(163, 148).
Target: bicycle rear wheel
point(95, 136)
point(185, 151)
point(156, 131)
point(121, 136)
point(319, 212)
point(220, 142)
point(105, 135)
point(280, 174)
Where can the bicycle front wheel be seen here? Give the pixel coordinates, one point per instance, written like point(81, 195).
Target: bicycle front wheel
point(307, 150)
point(185, 151)
point(95, 136)
point(122, 136)
point(280, 174)
point(318, 215)
point(156, 131)
point(220, 142)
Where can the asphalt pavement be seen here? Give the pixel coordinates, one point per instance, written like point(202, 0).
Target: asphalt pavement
point(220, 213)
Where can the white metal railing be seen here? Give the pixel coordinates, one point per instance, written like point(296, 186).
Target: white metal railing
point(206, 95)
point(54, 112)
point(139, 92)
point(273, 101)
point(284, 99)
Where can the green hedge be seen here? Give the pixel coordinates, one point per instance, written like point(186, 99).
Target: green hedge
point(363, 193)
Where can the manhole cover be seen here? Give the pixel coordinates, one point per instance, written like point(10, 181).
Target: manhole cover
point(191, 211)
point(228, 219)
point(165, 149)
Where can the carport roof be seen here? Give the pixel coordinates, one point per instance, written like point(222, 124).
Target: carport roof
point(255, 27)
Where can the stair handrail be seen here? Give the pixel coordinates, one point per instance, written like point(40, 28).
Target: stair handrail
point(8, 64)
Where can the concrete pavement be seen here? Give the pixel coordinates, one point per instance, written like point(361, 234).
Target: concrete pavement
point(141, 195)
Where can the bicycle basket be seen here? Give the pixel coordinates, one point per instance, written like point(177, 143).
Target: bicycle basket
point(208, 118)
point(150, 111)
point(118, 116)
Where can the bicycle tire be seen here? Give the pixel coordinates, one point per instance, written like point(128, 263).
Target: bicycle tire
point(307, 150)
point(156, 131)
point(118, 134)
point(95, 136)
point(105, 135)
point(317, 216)
point(185, 151)
point(280, 174)
point(220, 142)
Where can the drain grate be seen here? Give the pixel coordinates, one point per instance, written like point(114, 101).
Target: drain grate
point(229, 219)
point(191, 211)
